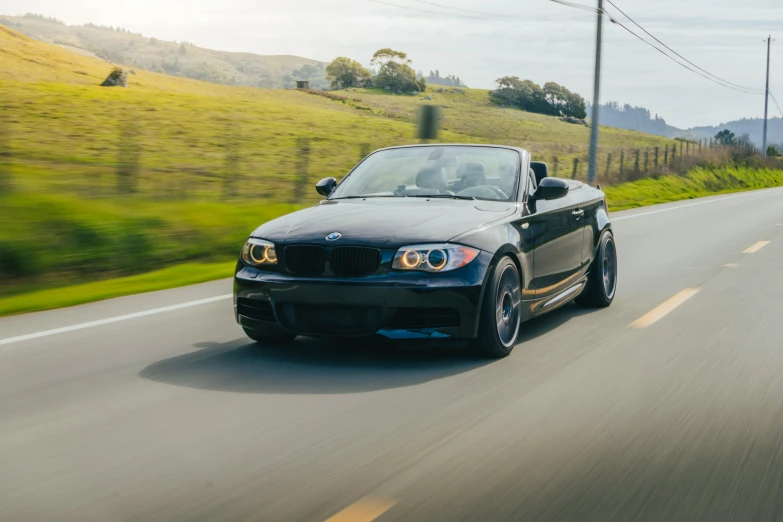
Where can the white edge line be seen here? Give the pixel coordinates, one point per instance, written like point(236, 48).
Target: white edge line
point(110, 320)
point(716, 200)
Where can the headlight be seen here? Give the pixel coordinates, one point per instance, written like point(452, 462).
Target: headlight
point(258, 252)
point(433, 258)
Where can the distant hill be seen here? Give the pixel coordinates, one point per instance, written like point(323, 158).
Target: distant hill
point(641, 119)
point(120, 46)
point(754, 127)
point(629, 117)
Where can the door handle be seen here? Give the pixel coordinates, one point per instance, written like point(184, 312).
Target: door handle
point(578, 214)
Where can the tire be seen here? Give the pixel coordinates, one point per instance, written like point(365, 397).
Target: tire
point(270, 335)
point(602, 276)
point(500, 312)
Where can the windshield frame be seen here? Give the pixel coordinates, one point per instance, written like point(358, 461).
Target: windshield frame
point(512, 198)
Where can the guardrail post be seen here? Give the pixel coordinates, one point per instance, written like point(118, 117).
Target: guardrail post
point(576, 168)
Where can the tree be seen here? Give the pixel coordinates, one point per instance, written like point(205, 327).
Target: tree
point(395, 72)
point(344, 72)
point(522, 94)
point(772, 151)
point(724, 137)
point(386, 55)
point(553, 99)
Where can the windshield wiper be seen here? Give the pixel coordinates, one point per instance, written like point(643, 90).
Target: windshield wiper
point(367, 196)
point(442, 196)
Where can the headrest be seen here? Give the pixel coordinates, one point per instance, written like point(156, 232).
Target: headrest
point(473, 173)
point(432, 178)
point(533, 180)
point(541, 170)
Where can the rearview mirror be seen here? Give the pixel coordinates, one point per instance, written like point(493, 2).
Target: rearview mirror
point(551, 188)
point(326, 186)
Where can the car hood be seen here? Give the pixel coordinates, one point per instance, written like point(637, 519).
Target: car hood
point(384, 221)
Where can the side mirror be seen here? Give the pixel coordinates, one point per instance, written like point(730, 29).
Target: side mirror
point(326, 186)
point(551, 188)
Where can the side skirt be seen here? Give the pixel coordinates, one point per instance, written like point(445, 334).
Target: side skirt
point(541, 306)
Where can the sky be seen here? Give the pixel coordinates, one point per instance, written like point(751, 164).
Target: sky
point(482, 40)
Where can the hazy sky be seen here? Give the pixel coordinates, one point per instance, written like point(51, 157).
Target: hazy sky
point(534, 39)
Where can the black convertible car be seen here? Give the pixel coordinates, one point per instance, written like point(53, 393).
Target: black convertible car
point(429, 242)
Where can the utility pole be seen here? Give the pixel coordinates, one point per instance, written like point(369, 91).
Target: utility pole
point(591, 169)
point(766, 98)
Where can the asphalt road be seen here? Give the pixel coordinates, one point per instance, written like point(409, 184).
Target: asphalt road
point(639, 412)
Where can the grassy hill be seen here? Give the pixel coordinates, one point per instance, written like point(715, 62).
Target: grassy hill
point(118, 46)
point(211, 161)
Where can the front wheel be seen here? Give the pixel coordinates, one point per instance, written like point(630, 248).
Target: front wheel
point(602, 276)
point(500, 312)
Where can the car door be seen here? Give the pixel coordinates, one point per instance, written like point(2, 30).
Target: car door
point(556, 233)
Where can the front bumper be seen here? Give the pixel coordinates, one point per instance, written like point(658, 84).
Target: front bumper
point(396, 305)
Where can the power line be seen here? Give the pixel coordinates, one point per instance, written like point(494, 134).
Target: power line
point(577, 6)
point(749, 89)
point(469, 11)
point(776, 102)
point(706, 75)
point(675, 61)
point(428, 11)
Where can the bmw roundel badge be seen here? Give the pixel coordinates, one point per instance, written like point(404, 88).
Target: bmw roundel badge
point(334, 236)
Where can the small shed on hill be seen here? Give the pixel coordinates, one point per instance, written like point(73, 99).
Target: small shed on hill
point(302, 84)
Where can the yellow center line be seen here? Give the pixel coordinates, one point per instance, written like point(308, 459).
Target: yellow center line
point(663, 309)
point(731, 265)
point(365, 510)
point(756, 247)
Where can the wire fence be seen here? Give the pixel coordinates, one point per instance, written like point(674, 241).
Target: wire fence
point(288, 173)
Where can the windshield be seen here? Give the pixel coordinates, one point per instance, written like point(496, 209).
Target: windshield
point(459, 172)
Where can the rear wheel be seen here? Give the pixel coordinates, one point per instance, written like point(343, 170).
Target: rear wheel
point(602, 277)
point(500, 312)
point(269, 335)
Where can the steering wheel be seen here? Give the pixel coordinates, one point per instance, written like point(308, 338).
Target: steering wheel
point(483, 192)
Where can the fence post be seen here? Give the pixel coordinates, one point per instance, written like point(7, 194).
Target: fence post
point(128, 158)
point(576, 168)
point(302, 168)
point(5, 156)
point(608, 165)
point(231, 163)
point(622, 164)
point(666, 156)
point(636, 163)
point(646, 161)
point(657, 151)
point(364, 151)
point(555, 165)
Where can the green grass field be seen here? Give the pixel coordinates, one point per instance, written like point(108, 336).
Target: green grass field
point(699, 182)
point(214, 162)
